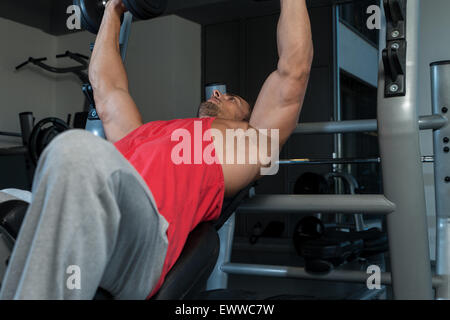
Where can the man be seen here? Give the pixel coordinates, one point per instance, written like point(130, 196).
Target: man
point(118, 214)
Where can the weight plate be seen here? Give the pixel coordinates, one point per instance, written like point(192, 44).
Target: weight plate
point(146, 9)
point(43, 133)
point(153, 8)
point(91, 14)
point(134, 9)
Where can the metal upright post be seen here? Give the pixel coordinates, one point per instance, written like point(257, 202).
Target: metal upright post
point(337, 111)
point(400, 154)
point(218, 278)
point(125, 34)
point(440, 83)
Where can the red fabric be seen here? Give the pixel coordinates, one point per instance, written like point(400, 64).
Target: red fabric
point(186, 194)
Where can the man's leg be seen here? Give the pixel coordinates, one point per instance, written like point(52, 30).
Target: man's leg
point(90, 210)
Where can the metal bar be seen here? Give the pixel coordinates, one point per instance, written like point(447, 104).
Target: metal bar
point(427, 159)
point(10, 134)
point(58, 70)
point(442, 254)
point(337, 127)
point(424, 159)
point(337, 109)
point(14, 151)
point(125, 34)
point(300, 273)
point(440, 82)
point(353, 185)
point(326, 204)
point(219, 279)
point(398, 133)
point(433, 122)
point(26, 126)
point(328, 161)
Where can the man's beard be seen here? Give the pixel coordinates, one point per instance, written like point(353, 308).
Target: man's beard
point(208, 109)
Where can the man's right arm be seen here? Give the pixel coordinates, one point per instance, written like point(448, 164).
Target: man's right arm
point(108, 77)
point(281, 98)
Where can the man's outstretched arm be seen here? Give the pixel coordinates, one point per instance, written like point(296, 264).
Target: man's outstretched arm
point(109, 80)
point(281, 98)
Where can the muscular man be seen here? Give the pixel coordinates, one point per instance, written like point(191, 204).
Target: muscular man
point(118, 213)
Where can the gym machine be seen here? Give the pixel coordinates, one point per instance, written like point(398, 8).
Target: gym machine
point(440, 80)
point(398, 127)
point(35, 137)
point(77, 70)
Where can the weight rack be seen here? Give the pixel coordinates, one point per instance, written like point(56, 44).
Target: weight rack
point(398, 127)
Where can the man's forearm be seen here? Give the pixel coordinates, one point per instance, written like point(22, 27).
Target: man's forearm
point(295, 47)
point(106, 70)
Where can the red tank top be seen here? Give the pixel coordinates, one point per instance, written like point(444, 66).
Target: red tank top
point(186, 194)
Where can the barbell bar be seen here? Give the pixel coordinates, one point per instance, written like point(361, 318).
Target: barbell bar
point(308, 161)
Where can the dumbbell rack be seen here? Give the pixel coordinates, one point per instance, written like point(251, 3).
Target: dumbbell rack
point(398, 127)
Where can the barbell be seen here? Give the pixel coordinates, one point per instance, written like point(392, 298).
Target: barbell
point(91, 11)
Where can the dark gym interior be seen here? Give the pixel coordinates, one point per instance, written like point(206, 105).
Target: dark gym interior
point(195, 43)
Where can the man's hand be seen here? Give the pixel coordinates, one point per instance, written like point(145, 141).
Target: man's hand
point(116, 7)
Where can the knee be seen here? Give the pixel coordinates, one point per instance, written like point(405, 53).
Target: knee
point(75, 147)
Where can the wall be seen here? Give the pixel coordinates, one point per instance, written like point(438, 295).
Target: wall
point(20, 91)
point(68, 96)
point(27, 89)
point(163, 64)
point(434, 46)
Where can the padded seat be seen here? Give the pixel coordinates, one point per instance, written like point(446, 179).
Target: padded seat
point(190, 273)
point(185, 280)
point(12, 214)
point(188, 277)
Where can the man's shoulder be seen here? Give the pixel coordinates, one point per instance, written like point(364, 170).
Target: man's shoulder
point(230, 124)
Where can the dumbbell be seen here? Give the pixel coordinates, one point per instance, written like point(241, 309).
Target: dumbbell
point(92, 11)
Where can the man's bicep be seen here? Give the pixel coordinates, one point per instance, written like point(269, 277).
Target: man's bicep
point(119, 115)
point(279, 104)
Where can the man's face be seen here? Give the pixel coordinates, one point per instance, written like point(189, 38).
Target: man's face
point(225, 106)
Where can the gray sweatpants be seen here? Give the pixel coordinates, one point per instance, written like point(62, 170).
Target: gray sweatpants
point(92, 223)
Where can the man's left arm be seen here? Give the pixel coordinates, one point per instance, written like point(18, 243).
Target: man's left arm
point(281, 98)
